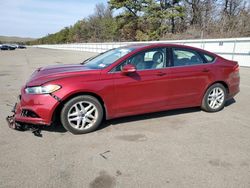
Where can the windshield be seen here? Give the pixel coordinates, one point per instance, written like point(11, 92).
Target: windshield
point(107, 58)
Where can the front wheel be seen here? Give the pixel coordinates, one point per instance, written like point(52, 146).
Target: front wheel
point(214, 98)
point(82, 114)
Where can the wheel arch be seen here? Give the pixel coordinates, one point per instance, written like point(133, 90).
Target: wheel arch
point(216, 82)
point(220, 82)
point(58, 109)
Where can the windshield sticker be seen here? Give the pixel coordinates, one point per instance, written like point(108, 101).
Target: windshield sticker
point(124, 51)
point(102, 65)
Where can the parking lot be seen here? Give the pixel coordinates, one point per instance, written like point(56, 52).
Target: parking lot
point(177, 148)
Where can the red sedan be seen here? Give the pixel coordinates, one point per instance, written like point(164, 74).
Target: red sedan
point(127, 81)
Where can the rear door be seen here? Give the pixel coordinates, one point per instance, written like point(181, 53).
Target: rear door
point(190, 74)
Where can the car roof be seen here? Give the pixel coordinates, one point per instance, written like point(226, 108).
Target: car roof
point(144, 46)
point(150, 45)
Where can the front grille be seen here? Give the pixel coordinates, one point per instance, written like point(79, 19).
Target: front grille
point(29, 113)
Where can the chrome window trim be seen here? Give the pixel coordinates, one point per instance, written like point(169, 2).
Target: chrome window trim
point(194, 65)
point(170, 67)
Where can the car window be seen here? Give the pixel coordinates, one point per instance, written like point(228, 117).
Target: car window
point(185, 57)
point(209, 58)
point(152, 59)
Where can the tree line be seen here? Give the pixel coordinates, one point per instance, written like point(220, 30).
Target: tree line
point(142, 20)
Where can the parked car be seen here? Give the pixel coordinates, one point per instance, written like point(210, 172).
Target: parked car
point(127, 81)
point(4, 47)
point(20, 46)
point(7, 47)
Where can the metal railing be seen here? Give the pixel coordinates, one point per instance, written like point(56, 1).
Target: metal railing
point(237, 49)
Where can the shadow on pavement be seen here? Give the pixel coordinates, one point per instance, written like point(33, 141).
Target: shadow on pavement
point(57, 127)
point(148, 116)
point(156, 115)
point(229, 102)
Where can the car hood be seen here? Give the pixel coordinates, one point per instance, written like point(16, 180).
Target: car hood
point(50, 73)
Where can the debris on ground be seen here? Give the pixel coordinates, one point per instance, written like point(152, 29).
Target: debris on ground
point(102, 154)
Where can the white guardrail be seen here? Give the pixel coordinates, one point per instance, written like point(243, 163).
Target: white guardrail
point(237, 49)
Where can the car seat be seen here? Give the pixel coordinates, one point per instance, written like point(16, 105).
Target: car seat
point(157, 60)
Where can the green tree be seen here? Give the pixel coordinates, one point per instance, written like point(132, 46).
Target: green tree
point(128, 20)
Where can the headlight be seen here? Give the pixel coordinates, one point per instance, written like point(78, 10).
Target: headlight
point(42, 89)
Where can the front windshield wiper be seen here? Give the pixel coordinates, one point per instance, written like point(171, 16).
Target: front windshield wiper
point(87, 60)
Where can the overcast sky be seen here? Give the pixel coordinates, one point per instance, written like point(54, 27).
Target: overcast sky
point(37, 18)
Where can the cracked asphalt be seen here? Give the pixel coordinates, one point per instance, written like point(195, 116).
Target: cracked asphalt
point(177, 148)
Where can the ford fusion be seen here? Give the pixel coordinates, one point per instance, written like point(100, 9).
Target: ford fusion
point(127, 81)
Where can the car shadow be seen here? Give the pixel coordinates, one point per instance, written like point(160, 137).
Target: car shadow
point(57, 127)
point(153, 115)
point(230, 102)
point(148, 116)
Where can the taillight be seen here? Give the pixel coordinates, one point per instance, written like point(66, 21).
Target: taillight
point(236, 68)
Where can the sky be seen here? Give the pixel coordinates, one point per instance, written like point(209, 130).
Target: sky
point(37, 18)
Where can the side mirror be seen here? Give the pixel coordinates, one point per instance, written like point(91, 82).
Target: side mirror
point(128, 69)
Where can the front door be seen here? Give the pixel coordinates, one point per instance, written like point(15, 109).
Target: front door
point(146, 89)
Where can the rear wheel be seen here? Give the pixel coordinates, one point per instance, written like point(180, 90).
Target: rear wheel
point(215, 98)
point(82, 114)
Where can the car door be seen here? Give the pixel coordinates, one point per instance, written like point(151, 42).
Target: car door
point(146, 89)
point(190, 74)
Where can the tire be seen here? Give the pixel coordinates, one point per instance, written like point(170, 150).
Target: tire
point(214, 98)
point(81, 114)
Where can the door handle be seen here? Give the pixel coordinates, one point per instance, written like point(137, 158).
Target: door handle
point(160, 73)
point(205, 70)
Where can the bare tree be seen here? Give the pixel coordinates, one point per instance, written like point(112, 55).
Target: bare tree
point(195, 11)
point(232, 7)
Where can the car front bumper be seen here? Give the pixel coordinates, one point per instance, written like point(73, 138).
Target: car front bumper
point(35, 109)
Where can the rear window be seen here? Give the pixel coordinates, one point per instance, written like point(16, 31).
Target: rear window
point(209, 58)
point(185, 57)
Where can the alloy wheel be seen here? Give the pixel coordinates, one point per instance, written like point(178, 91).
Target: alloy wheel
point(216, 98)
point(82, 115)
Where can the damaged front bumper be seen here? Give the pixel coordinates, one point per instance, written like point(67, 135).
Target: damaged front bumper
point(33, 109)
point(36, 109)
point(36, 130)
point(11, 119)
